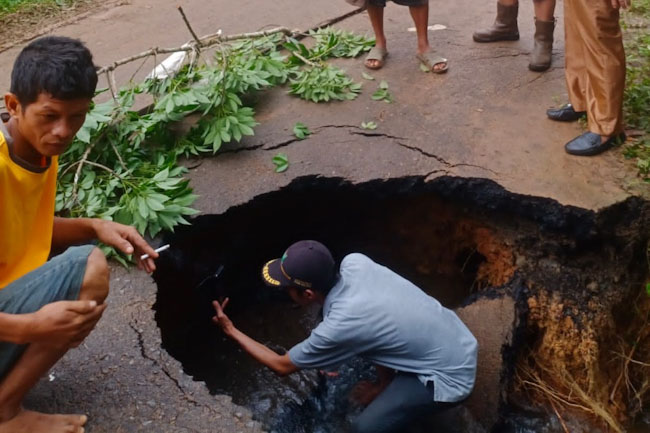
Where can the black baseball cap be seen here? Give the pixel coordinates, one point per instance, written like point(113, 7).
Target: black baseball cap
point(305, 265)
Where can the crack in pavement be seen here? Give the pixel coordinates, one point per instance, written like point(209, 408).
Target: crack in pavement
point(356, 130)
point(144, 354)
point(427, 154)
point(444, 161)
point(499, 56)
point(290, 141)
point(377, 134)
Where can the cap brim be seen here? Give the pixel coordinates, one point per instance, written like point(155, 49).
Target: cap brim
point(273, 276)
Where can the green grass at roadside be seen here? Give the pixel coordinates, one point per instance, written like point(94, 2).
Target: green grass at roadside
point(10, 6)
point(637, 92)
point(640, 6)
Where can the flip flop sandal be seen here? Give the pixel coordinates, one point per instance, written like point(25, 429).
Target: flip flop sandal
point(378, 54)
point(430, 60)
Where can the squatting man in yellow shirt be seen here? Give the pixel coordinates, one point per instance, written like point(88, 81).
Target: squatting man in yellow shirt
point(47, 306)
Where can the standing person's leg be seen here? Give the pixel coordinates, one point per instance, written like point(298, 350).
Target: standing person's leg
point(88, 271)
point(375, 58)
point(541, 56)
point(420, 14)
point(575, 69)
point(404, 401)
point(505, 24)
point(544, 9)
point(604, 58)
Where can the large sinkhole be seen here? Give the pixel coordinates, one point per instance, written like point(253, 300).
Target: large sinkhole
point(453, 238)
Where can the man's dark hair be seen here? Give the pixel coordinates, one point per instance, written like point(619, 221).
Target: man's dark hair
point(330, 286)
point(60, 66)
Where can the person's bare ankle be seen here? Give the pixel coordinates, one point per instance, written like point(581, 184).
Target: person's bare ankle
point(26, 421)
point(8, 411)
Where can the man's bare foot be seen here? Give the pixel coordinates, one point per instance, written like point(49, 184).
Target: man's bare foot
point(28, 421)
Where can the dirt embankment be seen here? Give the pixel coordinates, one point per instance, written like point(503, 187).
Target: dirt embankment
point(587, 352)
point(582, 351)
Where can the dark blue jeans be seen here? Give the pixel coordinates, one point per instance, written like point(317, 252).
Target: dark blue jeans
point(404, 401)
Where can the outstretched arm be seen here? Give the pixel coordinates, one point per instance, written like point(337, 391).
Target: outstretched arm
point(74, 231)
point(280, 364)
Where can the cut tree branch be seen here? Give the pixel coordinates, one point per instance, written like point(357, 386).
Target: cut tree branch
point(189, 27)
point(206, 42)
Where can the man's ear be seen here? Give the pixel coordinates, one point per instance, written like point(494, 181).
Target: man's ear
point(12, 104)
point(309, 294)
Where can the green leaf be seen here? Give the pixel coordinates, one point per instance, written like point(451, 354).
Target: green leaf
point(369, 125)
point(367, 76)
point(154, 204)
point(424, 68)
point(186, 200)
point(143, 209)
point(382, 95)
point(301, 131)
point(83, 135)
point(161, 175)
point(281, 162)
point(383, 85)
point(647, 289)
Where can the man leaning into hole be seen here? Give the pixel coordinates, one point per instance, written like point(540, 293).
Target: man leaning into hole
point(424, 355)
point(47, 305)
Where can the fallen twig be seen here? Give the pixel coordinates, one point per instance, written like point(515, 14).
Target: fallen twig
point(75, 182)
point(206, 42)
point(189, 27)
point(306, 61)
point(109, 81)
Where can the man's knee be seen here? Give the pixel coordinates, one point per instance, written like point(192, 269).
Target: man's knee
point(95, 282)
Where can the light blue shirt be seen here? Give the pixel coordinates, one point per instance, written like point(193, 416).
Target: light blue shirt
point(376, 314)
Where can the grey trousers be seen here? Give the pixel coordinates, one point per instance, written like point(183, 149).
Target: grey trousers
point(403, 402)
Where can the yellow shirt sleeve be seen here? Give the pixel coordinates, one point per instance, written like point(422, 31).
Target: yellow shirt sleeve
point(26, 216)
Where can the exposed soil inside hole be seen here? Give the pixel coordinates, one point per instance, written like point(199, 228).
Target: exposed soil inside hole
point(458, 240)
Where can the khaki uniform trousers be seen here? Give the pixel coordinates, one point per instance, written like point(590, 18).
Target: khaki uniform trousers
point(595, 63)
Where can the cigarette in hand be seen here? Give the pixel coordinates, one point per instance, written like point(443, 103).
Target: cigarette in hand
point(163, 248)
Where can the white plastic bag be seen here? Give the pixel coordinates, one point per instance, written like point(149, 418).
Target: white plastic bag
point(170, 66)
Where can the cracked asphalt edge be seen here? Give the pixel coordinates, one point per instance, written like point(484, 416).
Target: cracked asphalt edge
point(356, 130)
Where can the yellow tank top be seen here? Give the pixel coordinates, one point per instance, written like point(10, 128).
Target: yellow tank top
point(26, 215)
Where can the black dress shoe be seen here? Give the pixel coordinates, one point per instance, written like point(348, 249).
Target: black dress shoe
point(589, 144)
point(565, 114)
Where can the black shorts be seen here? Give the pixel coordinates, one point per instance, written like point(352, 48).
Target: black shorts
point(382, 3)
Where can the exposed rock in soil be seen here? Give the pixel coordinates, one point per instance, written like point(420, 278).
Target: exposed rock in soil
point(492, 321)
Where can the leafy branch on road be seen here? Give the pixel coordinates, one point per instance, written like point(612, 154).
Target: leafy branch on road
point(123, 164)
